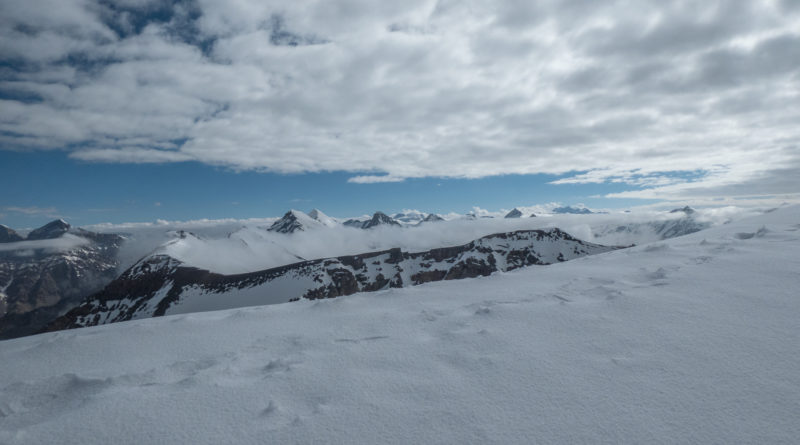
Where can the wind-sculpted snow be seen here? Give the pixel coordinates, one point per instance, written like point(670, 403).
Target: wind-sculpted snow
point(687, 340)
point(161, 285)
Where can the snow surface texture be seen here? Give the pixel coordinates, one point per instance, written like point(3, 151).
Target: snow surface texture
point(689, 340)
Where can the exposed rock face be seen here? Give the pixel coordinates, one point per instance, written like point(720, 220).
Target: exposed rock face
point(51, 230)
point(687, 210)
point(37, 283)
point(8, 235)
point(289, 223)
point(432, 217)
point(378, 219)
point(357, 223)
point(516, 213)
point(160, 285)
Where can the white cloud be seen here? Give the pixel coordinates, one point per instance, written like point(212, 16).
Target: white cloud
point(374, 179)
point(50, 212)
point(618, 92)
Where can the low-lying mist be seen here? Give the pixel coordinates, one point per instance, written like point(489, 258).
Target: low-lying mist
point(238, 246)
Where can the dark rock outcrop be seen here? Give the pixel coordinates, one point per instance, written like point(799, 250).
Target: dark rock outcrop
point(516, 213)
point(8, 235)
point(289, 223)
point(38, 283)
point(380, 219)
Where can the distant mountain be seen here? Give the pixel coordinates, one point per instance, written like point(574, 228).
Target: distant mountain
point(160, 285)
point(432, 217)
point(50, 230)
point(326, 220)
point(52, 273)
point(9, 235)
point(687, 210)
point(572, 210)
point(357, 223)
point(409, 217)
point(295, 220)
point(516, 213)
point(665, 229)
point(380, 219)
point(677, 227)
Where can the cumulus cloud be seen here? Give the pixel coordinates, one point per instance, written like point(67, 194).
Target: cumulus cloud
point(678, 98)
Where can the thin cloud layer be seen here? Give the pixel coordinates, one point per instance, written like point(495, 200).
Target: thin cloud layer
point(682, 98)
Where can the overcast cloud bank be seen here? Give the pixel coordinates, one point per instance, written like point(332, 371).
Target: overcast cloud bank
point(684, 99)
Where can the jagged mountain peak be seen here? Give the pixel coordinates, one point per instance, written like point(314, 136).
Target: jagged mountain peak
point(432, 217)
point(8, 235)
point(516, 213)
point(53, 229)
point(380, 218)
point(290, 222)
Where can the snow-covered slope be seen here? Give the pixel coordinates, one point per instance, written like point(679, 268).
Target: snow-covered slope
point(161, 285)
point(690, 340)
point(409, 217)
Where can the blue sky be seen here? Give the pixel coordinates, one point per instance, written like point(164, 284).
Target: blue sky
point(43, 185)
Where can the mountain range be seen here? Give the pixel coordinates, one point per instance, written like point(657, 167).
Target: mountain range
point(161, 285)
point(56, 268)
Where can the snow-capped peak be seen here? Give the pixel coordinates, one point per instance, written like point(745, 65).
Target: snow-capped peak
point(380, 218)
point(51, 230)
point(295, 220)
point(409, 217)
point(326, 220)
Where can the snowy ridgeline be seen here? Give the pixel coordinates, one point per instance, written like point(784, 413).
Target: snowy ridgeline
point(160, 285)
point(231, 247)
point(55, 268)
point(689, 340)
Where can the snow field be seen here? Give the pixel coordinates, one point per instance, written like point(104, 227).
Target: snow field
point(689, 340)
